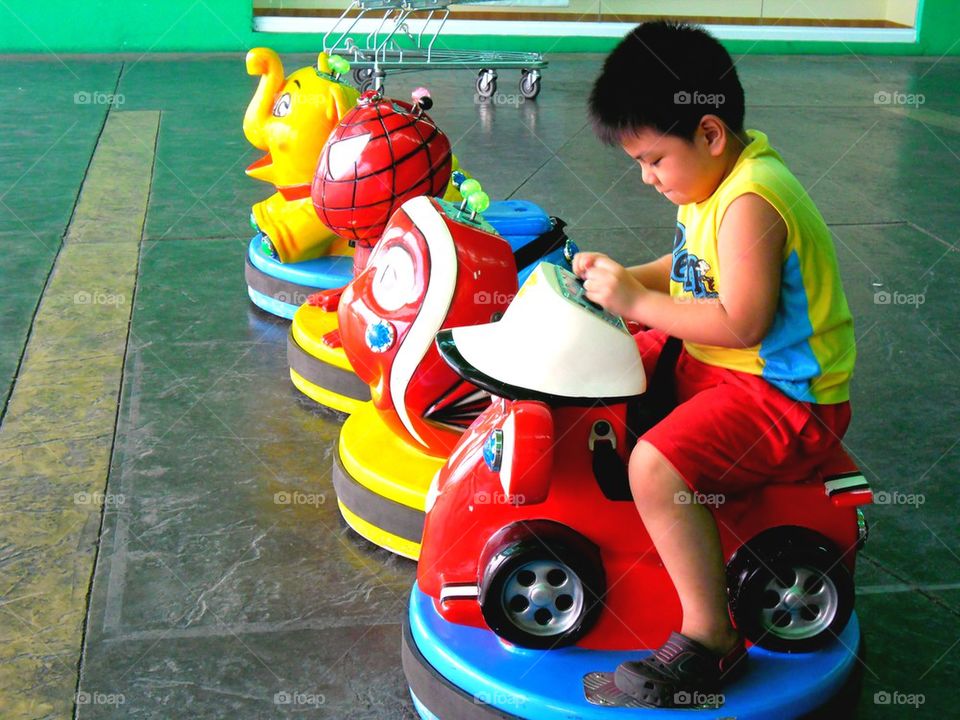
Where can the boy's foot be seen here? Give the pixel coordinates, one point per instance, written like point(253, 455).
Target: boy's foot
point(680, 673)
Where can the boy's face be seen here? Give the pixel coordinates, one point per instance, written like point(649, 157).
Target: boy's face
point(683, 172)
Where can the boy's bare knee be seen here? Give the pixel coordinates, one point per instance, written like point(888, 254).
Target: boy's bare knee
point(653, 481)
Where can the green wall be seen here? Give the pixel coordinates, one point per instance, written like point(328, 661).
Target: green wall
point(111, 26)
point(940, 27)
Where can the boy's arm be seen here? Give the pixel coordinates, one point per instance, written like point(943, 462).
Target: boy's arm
point(750, 247)
point(654, 275)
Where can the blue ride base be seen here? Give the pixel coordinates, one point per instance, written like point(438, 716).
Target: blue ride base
point(468, 673)
point(280, 288)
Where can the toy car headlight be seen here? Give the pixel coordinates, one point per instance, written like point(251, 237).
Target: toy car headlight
point(522, 452)
point(493, 450)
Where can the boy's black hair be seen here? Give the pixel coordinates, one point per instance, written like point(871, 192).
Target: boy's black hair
point(666, 76)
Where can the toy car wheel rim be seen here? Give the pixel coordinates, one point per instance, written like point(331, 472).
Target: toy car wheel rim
point(543, 597)
point(801, 603)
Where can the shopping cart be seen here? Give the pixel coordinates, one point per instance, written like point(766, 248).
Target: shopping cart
point(392, 46)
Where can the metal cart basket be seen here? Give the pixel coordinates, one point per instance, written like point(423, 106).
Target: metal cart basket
point(381, 50)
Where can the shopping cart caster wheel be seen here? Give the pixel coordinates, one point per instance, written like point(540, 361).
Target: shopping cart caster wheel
point(486, 83)
point(368, 79)
point(529, 83)
point(361, 75)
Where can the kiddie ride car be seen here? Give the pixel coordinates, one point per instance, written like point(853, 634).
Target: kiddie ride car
point(437, 265)
point(536, 576)
point(383, 153)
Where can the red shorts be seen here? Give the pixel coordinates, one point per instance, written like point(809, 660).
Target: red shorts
point(732, 431)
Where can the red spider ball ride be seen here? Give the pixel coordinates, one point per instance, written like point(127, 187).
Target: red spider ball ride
point(383, 153)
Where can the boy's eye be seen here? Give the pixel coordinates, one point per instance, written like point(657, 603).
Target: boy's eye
point(656, 162)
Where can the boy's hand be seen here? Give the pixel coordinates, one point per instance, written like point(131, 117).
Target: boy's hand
point(611, 285)
point(583, 261)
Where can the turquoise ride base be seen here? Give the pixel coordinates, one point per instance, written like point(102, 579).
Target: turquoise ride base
point(468, 673)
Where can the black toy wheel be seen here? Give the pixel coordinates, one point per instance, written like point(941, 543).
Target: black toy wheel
point(486, 83)
point(529, 83)
point(542, 587)
point(789, 590)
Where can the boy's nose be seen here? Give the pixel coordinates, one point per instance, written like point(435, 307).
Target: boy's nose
point(648, 177)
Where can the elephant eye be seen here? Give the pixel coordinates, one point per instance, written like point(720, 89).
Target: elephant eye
point(282, 106)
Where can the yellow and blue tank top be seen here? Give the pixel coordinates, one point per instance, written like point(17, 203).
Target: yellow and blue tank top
point(809, 351)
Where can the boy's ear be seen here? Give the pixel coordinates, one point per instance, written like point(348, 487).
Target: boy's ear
point(714, 133)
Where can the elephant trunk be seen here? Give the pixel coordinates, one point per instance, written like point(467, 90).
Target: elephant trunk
point(265, 63)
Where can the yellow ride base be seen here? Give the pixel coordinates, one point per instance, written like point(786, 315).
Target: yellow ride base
point(382, 483)
point(321, 372)
point(309, 326)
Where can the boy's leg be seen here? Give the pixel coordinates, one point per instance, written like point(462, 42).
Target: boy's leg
point(686, 538)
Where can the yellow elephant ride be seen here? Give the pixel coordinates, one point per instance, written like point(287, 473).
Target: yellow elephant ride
point(292, 253)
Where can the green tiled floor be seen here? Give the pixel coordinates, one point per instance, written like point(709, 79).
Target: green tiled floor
point(208, 597)
point(24, 264)
point(46, 140)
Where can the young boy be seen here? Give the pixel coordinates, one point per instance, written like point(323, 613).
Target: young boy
point(753, 290)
